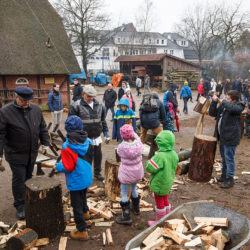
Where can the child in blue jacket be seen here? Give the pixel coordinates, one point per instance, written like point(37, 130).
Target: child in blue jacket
point(186, 94)
point(76, 163)
point(124, 115)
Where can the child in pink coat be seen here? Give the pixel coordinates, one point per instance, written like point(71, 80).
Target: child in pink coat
point(130, 172)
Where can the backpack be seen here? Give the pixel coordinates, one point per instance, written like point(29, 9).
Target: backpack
point(149, 103)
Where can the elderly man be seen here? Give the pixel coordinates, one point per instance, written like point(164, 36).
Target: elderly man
point(93, 116)
point(109, 99)
point(21, 127)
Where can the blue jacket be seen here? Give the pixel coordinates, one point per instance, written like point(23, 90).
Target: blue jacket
point(121, 118)
point(55, 101)
point(76, 161)
point(185, 92)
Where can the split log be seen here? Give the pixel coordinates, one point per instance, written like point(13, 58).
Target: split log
point(23, 240)
point(104, 238)
point(43, 207)
point(109, 237)
point(112, 184)
point(63, 243)
point(202, 158)
point(184, 166)
point(211, 221)
point(153, 236)
point(202, 105)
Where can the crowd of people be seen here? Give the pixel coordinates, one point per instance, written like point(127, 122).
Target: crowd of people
point(22, 126)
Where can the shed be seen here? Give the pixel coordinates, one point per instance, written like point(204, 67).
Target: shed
point(163, 69)
point(35, 50)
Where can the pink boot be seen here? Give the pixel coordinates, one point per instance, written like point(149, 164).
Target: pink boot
point(168, 209)
point(159, 213)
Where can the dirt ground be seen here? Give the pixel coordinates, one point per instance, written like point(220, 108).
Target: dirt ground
point(236, 198)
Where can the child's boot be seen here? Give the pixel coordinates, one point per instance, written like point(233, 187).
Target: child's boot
point(159, 213)
point(125, 217)
point(77, 235)
point(168, 209)
point(136, 204)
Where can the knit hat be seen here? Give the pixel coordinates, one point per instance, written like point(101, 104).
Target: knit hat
point(127, 132)
point(185, 83)
point(72, 123)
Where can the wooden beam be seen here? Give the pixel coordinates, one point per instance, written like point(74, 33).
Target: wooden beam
point(38, 81)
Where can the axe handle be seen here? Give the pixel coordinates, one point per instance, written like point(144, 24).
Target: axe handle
point(45, 165)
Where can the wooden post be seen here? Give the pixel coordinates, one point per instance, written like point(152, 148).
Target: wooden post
point(43, 207)
point(38, 79)
point(112, 184)
point(202, 158)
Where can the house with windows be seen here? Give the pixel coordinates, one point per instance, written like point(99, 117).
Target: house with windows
point(125, 40)
point(35, 50)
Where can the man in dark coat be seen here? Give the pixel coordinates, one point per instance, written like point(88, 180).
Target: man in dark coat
point(77, 93)
point(227, 86)
point(109, 99)
point(152, 119)
point(228, 130)
point(207, 87)
point(237, 85)
point(21, 127)
point(93, 116)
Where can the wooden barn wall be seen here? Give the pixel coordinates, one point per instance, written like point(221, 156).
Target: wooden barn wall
point(176, 65)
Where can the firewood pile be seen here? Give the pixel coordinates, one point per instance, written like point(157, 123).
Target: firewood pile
point(179, 234)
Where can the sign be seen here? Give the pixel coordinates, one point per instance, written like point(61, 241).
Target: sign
point(49, 80)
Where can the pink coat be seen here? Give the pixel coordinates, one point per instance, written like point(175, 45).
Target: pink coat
point(130, 99)
point(131, 169)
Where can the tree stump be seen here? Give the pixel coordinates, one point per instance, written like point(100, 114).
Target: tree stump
point(43, 207)
point(112, 183)
point(202, 158)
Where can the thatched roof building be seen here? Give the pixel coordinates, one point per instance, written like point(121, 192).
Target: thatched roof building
point(33, 45)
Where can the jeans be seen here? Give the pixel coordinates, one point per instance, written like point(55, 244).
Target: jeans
point(245, 99)
point(138, 91)
point(20, 174)
point(112, 111)
point(228, 162)
point(124, 191)
point(79, 204)
point(185, 100)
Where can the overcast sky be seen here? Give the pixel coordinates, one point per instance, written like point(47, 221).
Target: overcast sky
point(167, 12)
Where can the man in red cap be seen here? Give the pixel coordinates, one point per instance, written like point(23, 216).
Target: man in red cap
point(21, 127)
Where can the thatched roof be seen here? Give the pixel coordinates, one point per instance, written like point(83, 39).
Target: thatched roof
point(25, 26)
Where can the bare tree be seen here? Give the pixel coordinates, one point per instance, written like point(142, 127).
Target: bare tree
point(85, 23)
point(194, 26)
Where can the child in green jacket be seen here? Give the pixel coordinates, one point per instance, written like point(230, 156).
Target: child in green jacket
point(162, 168)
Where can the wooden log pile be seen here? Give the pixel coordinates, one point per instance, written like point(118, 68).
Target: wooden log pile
point(180, 234)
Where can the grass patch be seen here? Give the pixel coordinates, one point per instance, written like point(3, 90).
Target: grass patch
point(212, 198)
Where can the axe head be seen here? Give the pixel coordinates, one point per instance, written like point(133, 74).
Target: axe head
point(39, 170)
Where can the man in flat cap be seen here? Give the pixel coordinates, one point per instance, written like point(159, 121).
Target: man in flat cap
point(21, 127)
point(93, 116)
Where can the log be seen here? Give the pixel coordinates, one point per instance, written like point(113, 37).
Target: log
point(23, 240)
point(112, 184)
point(202, 158)
point(109, 237)
point(211, 221)
point(184, 154)
point(202, 105)
point(43, 207)
point(63, 243)
point(104, 238)
point(153, 236)
point(184, 166)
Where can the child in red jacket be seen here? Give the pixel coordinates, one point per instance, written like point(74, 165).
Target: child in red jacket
point(200, 89)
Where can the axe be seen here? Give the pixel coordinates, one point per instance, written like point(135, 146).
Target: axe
point(54, 171)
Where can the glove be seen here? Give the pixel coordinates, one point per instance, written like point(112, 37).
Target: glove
point(2, 168)
point(107, 138)
point(44, 149)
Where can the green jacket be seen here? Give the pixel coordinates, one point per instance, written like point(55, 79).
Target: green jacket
point(163, 165)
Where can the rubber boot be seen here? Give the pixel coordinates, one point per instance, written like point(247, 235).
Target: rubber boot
point(77, 235)
point(228, 183)
point(159, 213)
point(136, 204)
point(125, 217)
point(168, 209)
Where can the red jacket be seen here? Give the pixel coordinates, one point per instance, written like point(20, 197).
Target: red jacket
point(200, 89)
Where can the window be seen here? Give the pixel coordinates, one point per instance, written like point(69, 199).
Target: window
point(22, 80)
point(105, 52)
point(183, 43)
point(149, 41)
point(162, 41)
point(165, 51)
point(118, 40)
point(123, 40)
point(114, 52)
point(135, 52)
point(171, 52)
point(157, 41)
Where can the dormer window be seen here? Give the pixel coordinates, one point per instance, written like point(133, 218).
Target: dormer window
point(157, 41)
point(162, 41)
point(118, 40)
point(183, 43)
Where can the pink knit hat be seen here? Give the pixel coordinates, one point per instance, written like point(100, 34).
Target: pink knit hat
point(127, 132)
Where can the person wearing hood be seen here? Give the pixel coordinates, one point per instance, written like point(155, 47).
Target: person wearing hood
point(186, 94)
point(124, 115)
point(171, 96)
point(76, 163)
point(228, 130)
point(130, 172)
point(162, 168)
point(55, 105)
point(152, 119)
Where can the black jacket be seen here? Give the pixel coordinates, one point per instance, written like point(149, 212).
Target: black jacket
point(121, 92)
point(151, 120)
point(109, 98)
point(219, 88)
point(227, 87)
point(237, 85)
point(20, 131)
point(94, 122)
point(207, 86)
point(230, 123)
point(77, 93)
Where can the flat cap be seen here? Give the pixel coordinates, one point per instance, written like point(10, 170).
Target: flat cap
point(25, 92)
point(89, 90)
